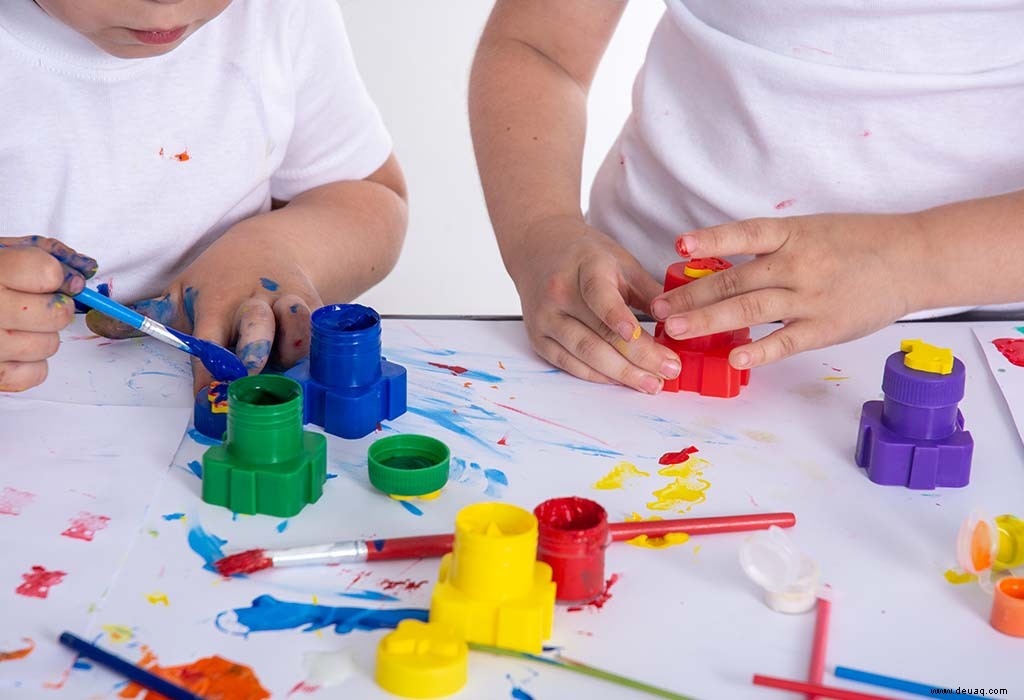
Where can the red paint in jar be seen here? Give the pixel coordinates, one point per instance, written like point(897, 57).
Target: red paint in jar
point(572, 535)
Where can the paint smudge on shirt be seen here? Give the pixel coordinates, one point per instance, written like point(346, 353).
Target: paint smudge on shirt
point(785, 204)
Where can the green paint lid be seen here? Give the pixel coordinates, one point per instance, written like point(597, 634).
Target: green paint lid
point(408, 465)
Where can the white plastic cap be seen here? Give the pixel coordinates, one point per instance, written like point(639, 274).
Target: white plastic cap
point(789, 577)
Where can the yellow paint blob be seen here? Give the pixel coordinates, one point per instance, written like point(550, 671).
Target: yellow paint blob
point(616, 478)
point(834, 379)
point(158, 598)
point(958, 578)
point(118, 634)
point(670, 540)
point(691, 467)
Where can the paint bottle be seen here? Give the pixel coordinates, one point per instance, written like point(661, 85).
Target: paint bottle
point(573, 534)
point(1008, 607)
point(789, 577)
point(267, 464)
point(349, 387)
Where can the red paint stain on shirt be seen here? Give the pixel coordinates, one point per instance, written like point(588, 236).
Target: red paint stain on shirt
point(210, 677)
point(785, 204)
point(85, 525)
point(454, 369)
point(677, 457)
point(13, 500)
point(38, 582)
point(1012, 349)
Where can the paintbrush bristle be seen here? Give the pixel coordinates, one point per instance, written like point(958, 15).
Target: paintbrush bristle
point(244, 563)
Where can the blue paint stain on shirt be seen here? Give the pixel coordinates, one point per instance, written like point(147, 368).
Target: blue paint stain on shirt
point(267, 614)
point(208, 546)
point(411, 508)
point(269, 284)
point(173, 516)
point(282, 526)
point(196, 467)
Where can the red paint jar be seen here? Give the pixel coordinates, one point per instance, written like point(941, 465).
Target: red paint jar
point(572, 534)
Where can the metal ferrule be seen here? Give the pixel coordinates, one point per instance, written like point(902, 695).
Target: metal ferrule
point(337, 553)
point(157, 330)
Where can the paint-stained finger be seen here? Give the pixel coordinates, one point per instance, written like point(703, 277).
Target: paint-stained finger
point(552, 351)
point(761, 306)
point(789, 340)
point(40, 313)
point(255, 324)
point(598, 353)
point(748, 237)
point(82, 264)
point(19, 376)
point(292, 341)
point(28, 269)
point(711, 289)
point(163, 309)
point(26, 346)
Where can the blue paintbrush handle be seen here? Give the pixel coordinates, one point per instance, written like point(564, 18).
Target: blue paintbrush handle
point(122, 313)
point(127, 669)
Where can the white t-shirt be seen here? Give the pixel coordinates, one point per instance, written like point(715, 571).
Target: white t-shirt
point(265, 100)
point(751, 108)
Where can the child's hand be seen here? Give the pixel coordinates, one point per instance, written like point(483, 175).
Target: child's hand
point(242, 294)
point(828, 278)
point(34, 305)
point(576, 291)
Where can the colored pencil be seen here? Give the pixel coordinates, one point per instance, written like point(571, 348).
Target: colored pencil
point(581, 668)
point(132, 672)
point(428, 546)
point(816, 672)
point(825, 691)
point(888, 682)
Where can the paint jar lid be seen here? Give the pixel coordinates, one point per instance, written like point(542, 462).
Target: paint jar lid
point(789, 577)
point(408, 465)
point(977, 543)
point(422, 660)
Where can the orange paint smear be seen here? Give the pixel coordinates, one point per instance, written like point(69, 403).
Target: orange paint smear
point(182, 157)
point(18, 653)
point(211, 677)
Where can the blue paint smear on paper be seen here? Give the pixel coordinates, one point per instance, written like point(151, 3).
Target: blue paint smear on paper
point(520, 694)
point(496, 482)
point(331, 476)
point(411, 508)
point(267, 614)
point(208, 546)
point(202, 439)
point(282, 526)
point(173, 516)
point(440, 412)
point(269, 284)
point(82, 664)
point(589, 450)
point(364, 594)
point(131, 379)
point(196, 468)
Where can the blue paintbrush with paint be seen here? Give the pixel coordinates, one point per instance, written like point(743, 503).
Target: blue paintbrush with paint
point(222, 364)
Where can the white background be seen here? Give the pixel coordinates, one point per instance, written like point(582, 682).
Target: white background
point(415, 58)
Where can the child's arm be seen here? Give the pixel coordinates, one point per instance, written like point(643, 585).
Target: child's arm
point(528, 95)
point(34, 305)
point(835, 277)
point(255, 287)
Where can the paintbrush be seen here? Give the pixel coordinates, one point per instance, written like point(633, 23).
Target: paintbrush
point(582, 668)
point(221, 363)
point(428, 546)
point(131, 671)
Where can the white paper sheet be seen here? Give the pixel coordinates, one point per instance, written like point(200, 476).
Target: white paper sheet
point(1004, 349)
point(684, 618)
point(75, 483)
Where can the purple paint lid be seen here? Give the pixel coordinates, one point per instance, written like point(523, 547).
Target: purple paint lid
point(917, 388)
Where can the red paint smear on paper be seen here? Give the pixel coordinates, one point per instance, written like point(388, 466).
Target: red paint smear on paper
point(466, 385)
point(405, 584)
point(85, 525)
point(1012, 349)
point(503, 440)
point(38, 582)
point(549, 422)
point(210, 677)
point(358, 577)
point(302, 687)
point(161, 153)
point(18, 653)
point(598, 602)
point(454, 369)
point(677, 457)
point(785, 203)
point(182, 157)
point(501, 365)
point(13, 500)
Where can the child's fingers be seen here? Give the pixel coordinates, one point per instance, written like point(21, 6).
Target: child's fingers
point(552, 351)
point(81, 264)
point(40, 313)
point(162, 309)
point(293, 330)
point(749, 237)
point(600, 290)
point(256, 326)
point(789, 340)
point(31, 270)
point(597, 352)
point(761, 306)
point(19, 376)
point(27, 346)
point(734, 282)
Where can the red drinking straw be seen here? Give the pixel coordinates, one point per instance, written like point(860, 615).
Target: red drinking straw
point(824, 691)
